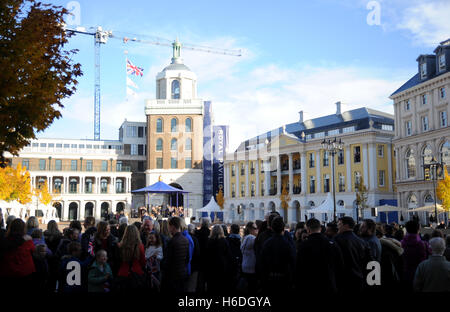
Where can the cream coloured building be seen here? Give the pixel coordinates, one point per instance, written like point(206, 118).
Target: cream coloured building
point(292, 157)
point(422, 130)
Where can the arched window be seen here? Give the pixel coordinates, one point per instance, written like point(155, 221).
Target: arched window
point(428, 199)
point(173, 145)
point(175, 89)
point(188, 125)
point(412, 201)
point(88, 186)
point(188, 144)
point(173, 125)
point(410, 164)
point(57, 185)
point(427, 155)
point(73, 186)
point(159, 144)
point(445, 154)
point(159, 125)
point(119, 186)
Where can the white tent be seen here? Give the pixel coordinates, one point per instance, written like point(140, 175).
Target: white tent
point(328, 207)
point(429, 208)
point(386, 208)
point(212, 206)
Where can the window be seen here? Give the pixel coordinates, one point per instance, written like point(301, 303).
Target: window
point(408, 128)
point(140, 132)
point(88, 165)
point(141, 149)
point(88, 186)
point(159, 144)
point(175, 89)
point(319, 135)
point(159, 125)
point(443, 118)
point(73, 186)
point(173, 163)
point(242, 190)
point(408, 105)
point(26, 164)
point(188, 144)
point(104, 186)
point(410, 164)
point(173, 145)
point(159, 163)
point(134, 149)
point(119, 186)
point(427, 155)
point(357, 154)
point(325, 159)
point(333, 132)
point(424, 99)
point(424, 123)
point(441, 62)
point(423, 70)
point(312, 184)
point(252, 167)
point(341, 182)
point(326, 183)
point(381, 178)
point(387, 127)
point(348, 129)
point(73, 165)
point(188, 125)
point(242, 169)
point(380, 149)
point(104, 165)
point(233, 171)
point(119, 166)
point(131, 131)
point(41, 164)
point(445, 153)
point(141, 166)
point(57, 186)
point(311, 160)
point(173, 125)
point(340, 157)
point(188, 163)
point(442, 93)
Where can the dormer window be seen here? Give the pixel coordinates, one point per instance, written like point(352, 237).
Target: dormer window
point(423, 70)
point(441, 62)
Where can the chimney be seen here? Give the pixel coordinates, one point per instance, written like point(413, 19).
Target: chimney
point(338, 108)
point(301, 116)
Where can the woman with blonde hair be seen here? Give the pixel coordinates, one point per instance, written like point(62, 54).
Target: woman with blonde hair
point(219, 267)
point(132, 260)
point(32, 224)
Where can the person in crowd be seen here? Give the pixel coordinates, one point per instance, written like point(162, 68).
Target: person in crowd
point(52, 236)
point(105, 240)
point(426, 237)
point(186, 234)
point(9, 220)
point(121, 230)
point(176, 259)
point(368, 234)
point(195, 262)
point(202, 235)
point(441, 226)
point(164, 232)
point(153, 257)
point(32, 224)
point(277, 260)
point(319, 262)
point(331, 231)
point(114, 226)
point(249, 259)
point(399, 234)
point(72, 235)
point(38, 239)
point(131, 259)
point(433, 274)
point(16, 258)
point(42, 273)
point(225, 229)
point(138, 225)
point(263, 234)
point(73, 255)
point(292, 228)
point(88, 237)
point(219, 262)
point(415, 251)
point(234, 241)
point(356, 255)
point(146, 229)
point(391, 260)
point(75, 224)
point(447, 250)
point(100, 275)
point(437, 233)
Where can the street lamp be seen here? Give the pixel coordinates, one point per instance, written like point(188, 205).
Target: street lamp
point(434, 164)
point(333, 147)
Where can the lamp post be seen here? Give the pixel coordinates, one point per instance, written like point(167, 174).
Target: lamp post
point(333, 147)
point(434, 164)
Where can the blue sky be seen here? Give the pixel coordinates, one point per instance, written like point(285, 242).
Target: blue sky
point(297, 55)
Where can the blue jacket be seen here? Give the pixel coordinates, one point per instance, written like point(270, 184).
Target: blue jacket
point(191, 249)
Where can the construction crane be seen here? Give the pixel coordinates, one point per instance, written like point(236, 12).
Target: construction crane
point(101, 37)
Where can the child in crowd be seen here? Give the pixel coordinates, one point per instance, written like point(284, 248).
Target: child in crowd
point(40, 263)
point(38, 239)
point(153, 257)
point(72, 281)
point(100, 274)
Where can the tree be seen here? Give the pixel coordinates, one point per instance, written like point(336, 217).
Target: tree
point(43, 194)
point(361, 196)
point(37, 73)
point(220, 199)
point(15, 184)
point(443, 191)
point(285, 198)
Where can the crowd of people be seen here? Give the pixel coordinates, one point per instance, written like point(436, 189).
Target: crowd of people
point(159, 212)
point(168, 256)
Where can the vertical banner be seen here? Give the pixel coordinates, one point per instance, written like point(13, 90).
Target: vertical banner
point(220, 144)
point(207, 153)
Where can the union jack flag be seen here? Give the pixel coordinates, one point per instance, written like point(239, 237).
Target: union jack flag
point(133, 69)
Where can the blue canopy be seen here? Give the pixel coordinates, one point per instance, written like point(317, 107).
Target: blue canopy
point(159, 187)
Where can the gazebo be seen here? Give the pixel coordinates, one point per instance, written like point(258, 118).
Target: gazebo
point(162, 188)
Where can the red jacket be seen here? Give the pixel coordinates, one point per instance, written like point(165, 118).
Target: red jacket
point(137, 264)
point(18, 262)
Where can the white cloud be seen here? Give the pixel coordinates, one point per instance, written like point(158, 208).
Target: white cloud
point(428, 22)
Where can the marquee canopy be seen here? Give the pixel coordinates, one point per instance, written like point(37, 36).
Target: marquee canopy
point(328, 207)
point(212, 206)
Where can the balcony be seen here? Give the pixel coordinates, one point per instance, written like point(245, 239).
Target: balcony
point(73, 169)
point(296, 189)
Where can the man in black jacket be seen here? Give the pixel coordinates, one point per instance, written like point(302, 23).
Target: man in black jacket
point(277, 261)
point(318, 261)
point(88, 237)
point(356, 255)
point(202, 235)
point(175, 274)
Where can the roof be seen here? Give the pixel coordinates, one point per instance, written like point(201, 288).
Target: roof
point(176, 66)
point(159, 187)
